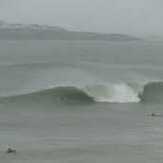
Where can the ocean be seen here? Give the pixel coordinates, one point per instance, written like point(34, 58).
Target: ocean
point(81, 101)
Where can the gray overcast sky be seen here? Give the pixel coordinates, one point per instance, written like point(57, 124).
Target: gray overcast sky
point(118, 16)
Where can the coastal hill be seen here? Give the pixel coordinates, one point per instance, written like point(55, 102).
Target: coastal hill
point(45, 32)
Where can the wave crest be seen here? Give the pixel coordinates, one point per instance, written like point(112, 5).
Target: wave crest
point(111, 93)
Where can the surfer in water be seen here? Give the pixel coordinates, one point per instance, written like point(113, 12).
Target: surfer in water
point(156, 114)
point(10, 150)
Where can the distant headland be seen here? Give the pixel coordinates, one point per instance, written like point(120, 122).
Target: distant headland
point(44, 32)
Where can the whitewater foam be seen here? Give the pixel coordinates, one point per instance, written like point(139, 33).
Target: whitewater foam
point(114, 93)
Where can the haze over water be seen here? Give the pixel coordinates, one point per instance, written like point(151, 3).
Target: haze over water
point(81, 101)
point(71, 95)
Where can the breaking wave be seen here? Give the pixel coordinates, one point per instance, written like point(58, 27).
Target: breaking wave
point(111, 93)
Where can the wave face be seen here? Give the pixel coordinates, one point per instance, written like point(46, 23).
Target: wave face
point(152, 92)
point(111, 93)
point(57, 95)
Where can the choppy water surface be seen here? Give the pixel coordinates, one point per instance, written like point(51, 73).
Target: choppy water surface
point(68, 101)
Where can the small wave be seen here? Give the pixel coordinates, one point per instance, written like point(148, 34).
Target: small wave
point(111, 93)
